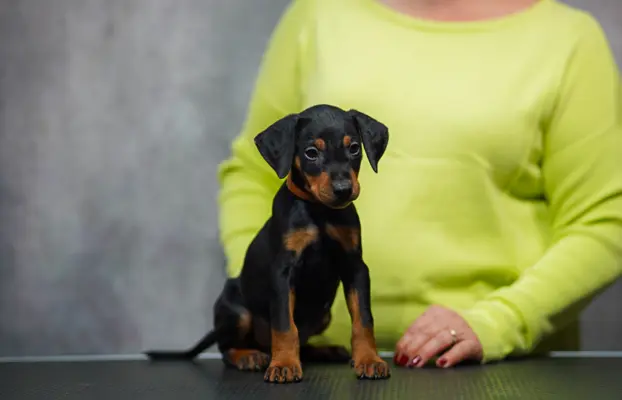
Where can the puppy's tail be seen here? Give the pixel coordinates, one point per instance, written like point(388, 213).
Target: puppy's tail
point(208, 340)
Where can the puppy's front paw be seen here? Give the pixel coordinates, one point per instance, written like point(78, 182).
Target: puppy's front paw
point(283, 372)
point(372, 367)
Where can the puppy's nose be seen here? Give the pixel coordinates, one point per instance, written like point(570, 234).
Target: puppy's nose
point(342, 189)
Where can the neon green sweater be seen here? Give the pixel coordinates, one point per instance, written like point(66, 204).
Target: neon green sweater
point(500, 193)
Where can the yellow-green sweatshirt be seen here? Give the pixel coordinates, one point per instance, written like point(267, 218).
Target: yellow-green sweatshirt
point(500, 193)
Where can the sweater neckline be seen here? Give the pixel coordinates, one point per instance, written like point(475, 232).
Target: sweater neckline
point(388, 13)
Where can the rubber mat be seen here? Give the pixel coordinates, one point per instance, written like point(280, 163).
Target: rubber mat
point(561, 378)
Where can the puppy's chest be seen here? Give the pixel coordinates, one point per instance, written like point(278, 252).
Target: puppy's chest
point(323, 255)
point(320, 254)
point(318, 272)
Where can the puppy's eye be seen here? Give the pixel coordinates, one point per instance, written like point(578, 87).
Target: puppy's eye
point(354, 149)
point(311, 153)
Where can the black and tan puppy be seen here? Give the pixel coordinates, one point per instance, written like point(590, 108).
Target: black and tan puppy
point(312, 242)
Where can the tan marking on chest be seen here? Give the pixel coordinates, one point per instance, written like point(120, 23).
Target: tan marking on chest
point(298, 239)
point(347, 237)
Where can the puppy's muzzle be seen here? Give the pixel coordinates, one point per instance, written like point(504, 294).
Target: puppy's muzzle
point(342, 190)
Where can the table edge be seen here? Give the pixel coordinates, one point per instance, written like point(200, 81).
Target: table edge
point(217, 356)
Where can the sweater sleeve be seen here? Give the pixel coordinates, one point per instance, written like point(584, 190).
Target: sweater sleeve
point(247, 183)
point(582, 180)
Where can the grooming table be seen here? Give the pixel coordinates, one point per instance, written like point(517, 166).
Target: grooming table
point(596, 376)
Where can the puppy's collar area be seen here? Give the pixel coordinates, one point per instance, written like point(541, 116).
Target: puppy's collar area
point(298, 192)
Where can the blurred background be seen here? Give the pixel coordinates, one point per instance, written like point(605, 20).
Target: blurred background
point(114, 115)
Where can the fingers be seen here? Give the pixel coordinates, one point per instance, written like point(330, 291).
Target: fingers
point(420, 325)
point(408, 353)
point(418, 332)
point(462, 351)
point(417, 341)
point(401, 345)
point(434, 346)
point(430, 336)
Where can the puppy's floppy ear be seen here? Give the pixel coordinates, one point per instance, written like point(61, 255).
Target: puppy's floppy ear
point(278, 142)
point(375, 136)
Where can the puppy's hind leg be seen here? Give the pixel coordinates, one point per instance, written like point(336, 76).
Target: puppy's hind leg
point(238, 347)
point(246, 359)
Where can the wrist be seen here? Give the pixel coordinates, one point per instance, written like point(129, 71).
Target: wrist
point(499, 329)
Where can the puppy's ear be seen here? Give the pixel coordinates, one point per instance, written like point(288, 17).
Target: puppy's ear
point(278, 142)
point(375, 136)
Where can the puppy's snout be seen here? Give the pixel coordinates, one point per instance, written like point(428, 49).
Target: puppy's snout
point(342, 189)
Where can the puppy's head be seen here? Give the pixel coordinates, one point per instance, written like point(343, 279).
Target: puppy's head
point(321, 150)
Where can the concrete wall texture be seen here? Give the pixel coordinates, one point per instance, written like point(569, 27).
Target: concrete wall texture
point(114, 115)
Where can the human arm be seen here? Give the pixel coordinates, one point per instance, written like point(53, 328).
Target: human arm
point(582, 175)
point(247, 183)
point(581, 169)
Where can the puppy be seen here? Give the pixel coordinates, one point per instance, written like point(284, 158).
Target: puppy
point(311, 243)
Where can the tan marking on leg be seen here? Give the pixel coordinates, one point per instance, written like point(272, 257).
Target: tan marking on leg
point(285, 365)
point(367, 362)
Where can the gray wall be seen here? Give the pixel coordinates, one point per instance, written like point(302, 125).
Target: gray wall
point(113, 117)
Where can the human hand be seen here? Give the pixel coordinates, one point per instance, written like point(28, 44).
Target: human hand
point(431, 334)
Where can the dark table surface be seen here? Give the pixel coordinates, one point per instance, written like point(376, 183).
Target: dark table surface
point(597, 378)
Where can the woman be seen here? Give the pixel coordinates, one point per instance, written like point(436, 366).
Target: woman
point(496, 213)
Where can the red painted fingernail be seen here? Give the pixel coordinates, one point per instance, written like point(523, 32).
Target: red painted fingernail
point(401, 359)
point(442, 362)
point(414, 362)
